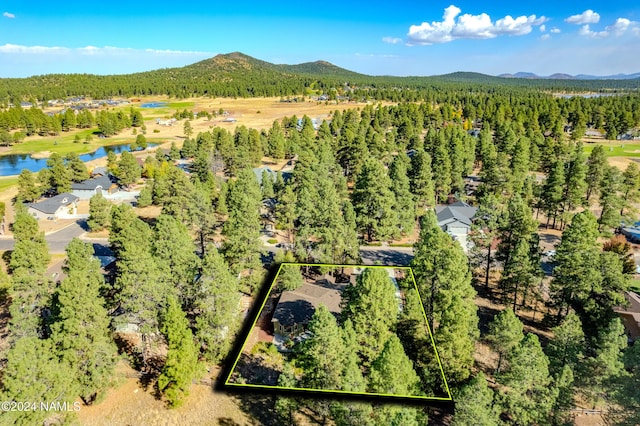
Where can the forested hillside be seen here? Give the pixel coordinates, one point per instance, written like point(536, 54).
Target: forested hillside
point(238, 75)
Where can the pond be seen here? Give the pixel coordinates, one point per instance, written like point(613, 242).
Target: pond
point(13, 164)
point(153, 105)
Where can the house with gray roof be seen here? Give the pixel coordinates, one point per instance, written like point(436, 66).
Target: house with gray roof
point(96, 185)
point(55, 207)
point(456, 219)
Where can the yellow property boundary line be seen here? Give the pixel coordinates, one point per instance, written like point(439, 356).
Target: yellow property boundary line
point(336, 391)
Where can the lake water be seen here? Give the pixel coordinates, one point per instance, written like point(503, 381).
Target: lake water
point(153, 105)
point(13, 164)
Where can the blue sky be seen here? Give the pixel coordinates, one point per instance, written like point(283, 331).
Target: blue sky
point(373, 37)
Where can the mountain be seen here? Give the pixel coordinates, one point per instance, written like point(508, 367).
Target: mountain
point(238, 75)
point(561, 76)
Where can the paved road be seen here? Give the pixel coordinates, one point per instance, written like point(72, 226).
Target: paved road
point(58, 241)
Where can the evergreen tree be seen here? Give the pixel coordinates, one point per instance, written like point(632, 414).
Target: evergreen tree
point(77, 169)
point(80, 331)
point(505, 333)
point(629, 186)
point(290, 277)
point(321, 355)
point(216, 305)
point(99, 213)
point(610, 201)
point(33, 374)
point(392, 371)
point(421, 181)
point(242, 247)
point(175, 255)
point(129, 171)
point(372, 307)
point(566, 349)
point(373, 201)
point(286, 212)
point(267, 185)
point(404, 206)
point(596, 164)
point(28, 192)
point(528, 397)
point(59, 176)
point(444, 282)
point(474, 403)
point(182, 357)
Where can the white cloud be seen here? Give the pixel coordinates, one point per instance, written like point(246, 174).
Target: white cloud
point(392, 40)
point(543, 28)
point(555, 30)
point(586, 31)
point(8, 15)
point(586, 17)
point(545, 36)
point(469, 26)
point(621, 26)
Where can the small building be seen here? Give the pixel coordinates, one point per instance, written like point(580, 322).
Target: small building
point(295, 308)
point(456, 219)
point(55, 207)
point(97, 185)
point(630, 316)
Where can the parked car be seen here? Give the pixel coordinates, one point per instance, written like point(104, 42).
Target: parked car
point(550, 253)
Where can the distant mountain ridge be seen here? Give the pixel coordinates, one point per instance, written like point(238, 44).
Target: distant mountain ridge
point(561, 76)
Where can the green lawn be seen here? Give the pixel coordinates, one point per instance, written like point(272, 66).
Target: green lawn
point(181, 105)
point(616, 149)
point(65, 144)
point(7, 182)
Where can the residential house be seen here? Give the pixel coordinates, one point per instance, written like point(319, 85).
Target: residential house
point(456, 219)
point(96, 185)
point(295, 308)
point(55, 207)
point(630, 316)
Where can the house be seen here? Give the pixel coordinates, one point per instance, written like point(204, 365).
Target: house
point(630, 316)
point(258, 172)
point(455, 219)
point(96, 185)
point(295, 308)
point(54, 207)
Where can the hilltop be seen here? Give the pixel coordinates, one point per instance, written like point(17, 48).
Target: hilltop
point(239, 75)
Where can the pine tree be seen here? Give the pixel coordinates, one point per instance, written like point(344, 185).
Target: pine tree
point(77, 169)
point(404, 206)
point(175, 255)
point(59, 176)
point(290, 277)
point(241, 246)
point(567, 346)
point(33, 374)
point(181, 365)
point(267, 185)
point(373, 201)
point(372, 307)
point(286, 212)
point(80, 329)
point(474, 403)
point(129, 171)
point(505, 333)
point(444, 281)
point(610, 201)
point(392, 371)
point(217, 305)
point(552, 191)
point(321, 355)
point(596, 164)
point(99, 213)
point(28, 192)
point(441, 166)
point(421, 181)
point(629, 187)
point(518, 275)
point(528, 397)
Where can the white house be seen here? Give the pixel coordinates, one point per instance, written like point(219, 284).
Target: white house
point(54, 207)
point(90, 187)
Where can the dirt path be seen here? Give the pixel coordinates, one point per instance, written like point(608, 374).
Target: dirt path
point(130, 404)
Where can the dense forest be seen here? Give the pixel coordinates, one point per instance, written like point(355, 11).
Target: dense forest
point(369, 175)
point(239, 75)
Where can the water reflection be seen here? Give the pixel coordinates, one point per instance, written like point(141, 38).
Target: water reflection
point(13, 164)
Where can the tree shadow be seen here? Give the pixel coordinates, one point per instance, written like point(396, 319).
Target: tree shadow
point(259, 407)
point(82, 223)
